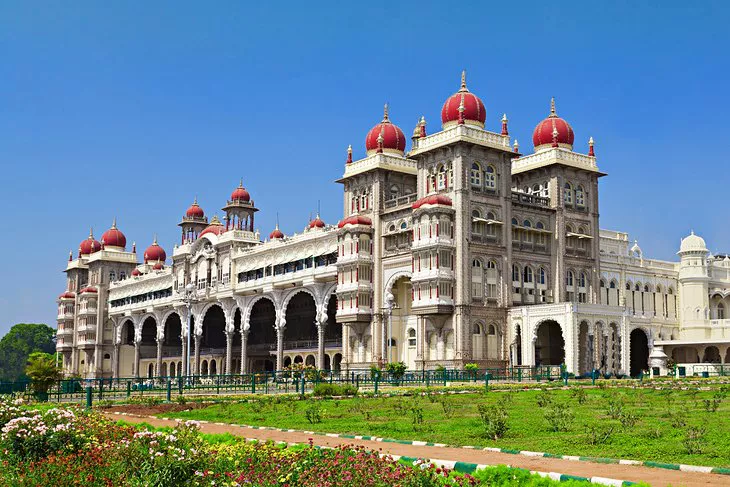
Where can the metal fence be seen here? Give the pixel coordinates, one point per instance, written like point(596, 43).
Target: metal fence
point(278, 382)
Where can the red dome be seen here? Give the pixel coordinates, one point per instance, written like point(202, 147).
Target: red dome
point(434, 199)
point(90, 245)
point(355, 220)
point(158, 267)
point(154, 253)
point(317, 223)
point(276, 233)
point(474, 111)
point(88, 290)
point(215, 227)
point(67, 295)
point(136, 272)
point(195, 211)
point(556, 127)
point(240, 194)
point(113, 237)
point(392, 136)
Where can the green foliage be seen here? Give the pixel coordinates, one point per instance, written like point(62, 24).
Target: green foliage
point(544, 398)
point(580, 394)
point(494, 420)
point(416, 413)
point(396, 369)
point(598, 434)
point(712, 405)
point(628, 419)
point(17, 345)
point(448, 407)
point(42, 371)
point(375, 372)
point(560, 417)
point(503, 476)
point(615, 407)
point(694, 440)
point(325, 389)
point(313, 413)
point(471, 367)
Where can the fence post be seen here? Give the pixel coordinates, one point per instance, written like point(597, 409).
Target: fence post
point(101, 389)
point(357, 380)
point(377, 376)
point(169, 390)
point(486, 382)
point(519, 375)
point(89, 397)
point(253, 383)
point(218, 384)
point(129, 389)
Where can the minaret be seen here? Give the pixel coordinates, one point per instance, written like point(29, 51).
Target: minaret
point(240, 210)
point(693, 287)
point(193, 222)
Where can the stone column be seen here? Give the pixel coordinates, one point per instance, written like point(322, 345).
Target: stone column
point(279, 347)
point(184, 353)
point(115, 365)
point(229, 352)
point(244, 356)
point(196, 361)
point(136, 359)
point(158, 366)
point(321, 327)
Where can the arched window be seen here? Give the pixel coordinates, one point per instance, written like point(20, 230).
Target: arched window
point(112, 276)
point(490, 178)
point(536, 189)
point(515, 222)
point(477, 226)
point(527, 224)
point(477, 329)
point(477, 279)
point(491, 228)
point(628, 286)
point(441, 178)
point(542, 277)
point(579, 197)
point(612, 285)
point(568, 229)
point(412, 337)
point(582, 281)
point(492, 330)
point(475, 175)
point(527, 274)
point(539, 226)
point(720, 311)
point(568, 194)
point(569, 278)
point(403, 225)
point(516, 273)
point(603, 283)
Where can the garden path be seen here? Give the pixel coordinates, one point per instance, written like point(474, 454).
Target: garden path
point(655, 477)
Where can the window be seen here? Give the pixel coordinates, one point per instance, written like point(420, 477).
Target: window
point(394, 190)
point(582, 281)
point(527, 224)
point(122, 275)
point(411, 337)
point(539, 226)
point(491, 228)
point(475, 176)
point(476, 329)
point(490, 178)
point(492, 279)
point(112, 276)
point(403, 225)
point(516, 273)
point(568, 194)
point(720, 311)
point(536, 189)
point(515, 222)
point(527, 274)
point(477, 226)
point(579, 197)
point(441, 178)
point(569, 278)
point(542, 276)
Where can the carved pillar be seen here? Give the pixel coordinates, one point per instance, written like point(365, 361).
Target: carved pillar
point(280, 347)
point(115, 365)
point(244, 356)
point(196, 361)
point(184, 353)
point(229, 352)
point(136, 359)
point(158, 366)
point(321, 327)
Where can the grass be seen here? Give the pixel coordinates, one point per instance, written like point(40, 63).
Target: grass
point(639, 424)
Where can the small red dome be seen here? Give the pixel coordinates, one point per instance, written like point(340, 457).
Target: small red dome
point(434, 199)
point(158, 267)
point(88, 290)
point(136, 272)
point(90, 245)
point(215, 227)
point(240, 194)
point(355, 220)
point(195, 211)
point(474, 111)
point(276, 233)
point(113, 237)
point(317, 223)
point(154, 253)
point(392, 137)
point(67, 295)
point(553, 127)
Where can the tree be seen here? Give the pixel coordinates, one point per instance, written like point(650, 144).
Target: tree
point(42, 371)
point(17, 345)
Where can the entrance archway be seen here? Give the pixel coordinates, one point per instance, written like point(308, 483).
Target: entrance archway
point(712, 355)
point(214, 329)
point(301, 330)
point(550, 344)
point(173, 330)
point(639, 346)
point(261, 336)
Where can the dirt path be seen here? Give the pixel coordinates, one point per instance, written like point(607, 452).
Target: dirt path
point(654, 476)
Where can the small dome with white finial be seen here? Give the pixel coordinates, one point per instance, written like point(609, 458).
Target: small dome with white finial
point(692, 243)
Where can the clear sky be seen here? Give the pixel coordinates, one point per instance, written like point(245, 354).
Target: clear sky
point(131, 110)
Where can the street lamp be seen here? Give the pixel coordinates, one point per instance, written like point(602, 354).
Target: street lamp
point(188, 298)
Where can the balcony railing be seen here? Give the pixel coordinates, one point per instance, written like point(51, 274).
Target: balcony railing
point(400, 201)
point(529, 199)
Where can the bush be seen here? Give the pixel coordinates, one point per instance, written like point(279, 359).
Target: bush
point(325, 389)
point(416, 413)
point(712, 405)
point(494, 420)
point(598, 435)
point(544, 398)
point(580, 394)
point(396, 369)
point(628, 419)
point(448, 408)
point(313, 413)
point(42, 371)
point(694, 440)
point(560, 417)
point(375, 372)
point(615, 407)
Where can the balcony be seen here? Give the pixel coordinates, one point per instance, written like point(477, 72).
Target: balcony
point(349, 315)
point(400, 202)
point(531, 200)
point(440, 240)
point(442, 274)
point(347, 287)
point(87, 328)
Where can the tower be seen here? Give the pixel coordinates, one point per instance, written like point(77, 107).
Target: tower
point(693, 286)
point(240, 210)
point(192, 223)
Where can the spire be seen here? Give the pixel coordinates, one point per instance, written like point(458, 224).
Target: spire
point(91, 233)
point(385, 113)
point(154, 240)
point(70, 255)
point(349, 156)
point(504, 125)
point(516, 147)
point(134, 247)
point(114, 222)
point(552, 107)
point(422, 123)
point(463, 81)
point(195, 200)
point(591, 152)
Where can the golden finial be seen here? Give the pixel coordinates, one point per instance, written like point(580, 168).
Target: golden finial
point(463, 80)
point(504, 117)
point(154, 240)
point(240, 184)
point(114, 222)
point(91, 233)
point(552, 107)
point(385, 113)
point(461, 104)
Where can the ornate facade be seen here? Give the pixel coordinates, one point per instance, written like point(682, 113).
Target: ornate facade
point(460, 250)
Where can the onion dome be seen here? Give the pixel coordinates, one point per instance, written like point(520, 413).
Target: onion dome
point(434, 199)
point(67, 295)
point(463, 107)
point(385, 137)
point(317, 222)
point(158, 267)
point(90, 245)
point(240, 194)
point(113, 237)
point(88, 289)
point(276, 233)
point(154, 253)
point(195, 211)
point(693, 243)
point(355, 220)
point(136, 273)
point(215, 227)
point(553, 132)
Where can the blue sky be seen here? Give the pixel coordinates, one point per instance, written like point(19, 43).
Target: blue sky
point(131, 110)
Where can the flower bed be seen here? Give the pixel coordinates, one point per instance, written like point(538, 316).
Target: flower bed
point(68, 447)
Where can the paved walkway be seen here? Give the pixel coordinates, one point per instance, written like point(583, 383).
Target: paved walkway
point(656, 477)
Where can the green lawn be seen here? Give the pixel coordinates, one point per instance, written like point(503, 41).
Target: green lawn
point(657, 435)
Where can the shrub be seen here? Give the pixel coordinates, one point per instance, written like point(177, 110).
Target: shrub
point(598, 435)
point(313, 413)
point(494, 420)
point(712, 405)
point(615, 407)
point(448, 408)
point(326, 389)
point(579, 394)
point(559, 417)
point(694, 440)
point(628, 419)
point(416, 413)
point(544, 398)
point(42, 371)
point(677, 419)
point(375, 372)
point(396, 369)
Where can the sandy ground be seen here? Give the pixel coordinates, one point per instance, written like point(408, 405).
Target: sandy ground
point(654, 476)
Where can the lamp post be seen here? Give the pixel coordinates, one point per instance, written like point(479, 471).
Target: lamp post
point(188, 299)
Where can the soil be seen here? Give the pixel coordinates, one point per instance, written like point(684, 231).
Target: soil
point(656, 477)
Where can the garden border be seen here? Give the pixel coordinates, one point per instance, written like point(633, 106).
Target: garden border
point(644, 463)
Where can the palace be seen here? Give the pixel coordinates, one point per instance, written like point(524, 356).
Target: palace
point(460, 250)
